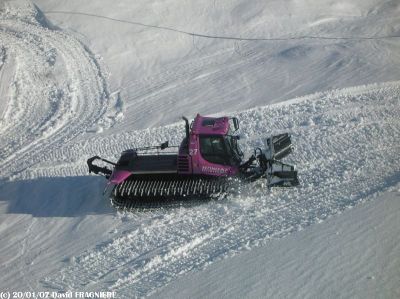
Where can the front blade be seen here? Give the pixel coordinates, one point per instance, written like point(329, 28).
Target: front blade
point(280, 146)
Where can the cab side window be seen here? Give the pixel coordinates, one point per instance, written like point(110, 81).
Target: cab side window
point(212, 149)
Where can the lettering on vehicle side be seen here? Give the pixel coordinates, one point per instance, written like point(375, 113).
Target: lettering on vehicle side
point(212, 169)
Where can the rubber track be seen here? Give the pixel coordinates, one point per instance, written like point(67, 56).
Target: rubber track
point(155, 193)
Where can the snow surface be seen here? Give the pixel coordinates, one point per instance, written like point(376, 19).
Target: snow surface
point(79, 79)
point(162, 74)
point(360, 248)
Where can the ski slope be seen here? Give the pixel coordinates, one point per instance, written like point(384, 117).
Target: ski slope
point(165, 62)
point(57, 109)
point(313, 263)
point(57, 89)
point(354, 128)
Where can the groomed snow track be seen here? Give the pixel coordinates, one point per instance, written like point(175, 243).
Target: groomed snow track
point(346, 152)
point(58, 89)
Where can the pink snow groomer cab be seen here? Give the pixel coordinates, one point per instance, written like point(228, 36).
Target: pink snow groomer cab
point(212, 148)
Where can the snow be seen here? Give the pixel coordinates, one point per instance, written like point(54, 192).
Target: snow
point(162, 74)
point(80, 79)
point(351, 256)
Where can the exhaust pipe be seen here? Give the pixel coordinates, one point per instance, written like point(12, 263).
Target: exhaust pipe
point(187, 131)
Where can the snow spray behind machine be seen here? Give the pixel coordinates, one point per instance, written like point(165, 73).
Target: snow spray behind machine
point(208, 163)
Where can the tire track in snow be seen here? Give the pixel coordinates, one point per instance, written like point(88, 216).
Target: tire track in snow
point(346, 152)
point(3, 78)
point(58, 90)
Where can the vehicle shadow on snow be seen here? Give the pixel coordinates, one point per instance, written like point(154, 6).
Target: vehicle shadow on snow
point(56, 197)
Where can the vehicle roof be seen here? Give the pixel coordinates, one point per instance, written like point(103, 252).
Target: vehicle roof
point(210, 125)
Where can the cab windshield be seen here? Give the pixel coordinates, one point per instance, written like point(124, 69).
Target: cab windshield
point(233, 147)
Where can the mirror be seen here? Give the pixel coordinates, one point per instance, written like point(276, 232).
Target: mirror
point(235, 123)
